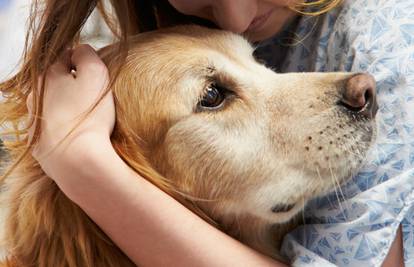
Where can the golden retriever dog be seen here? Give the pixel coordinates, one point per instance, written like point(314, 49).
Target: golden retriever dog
point(240, 145)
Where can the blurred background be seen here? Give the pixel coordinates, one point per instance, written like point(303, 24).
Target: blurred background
point(13, 15)
point(13, 19)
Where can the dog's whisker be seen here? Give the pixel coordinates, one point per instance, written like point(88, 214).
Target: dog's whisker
point(338, 185)
point(336, 191)
point(302, 187)
point(321, 181)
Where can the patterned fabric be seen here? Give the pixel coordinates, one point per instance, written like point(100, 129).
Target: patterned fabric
point(356, 225)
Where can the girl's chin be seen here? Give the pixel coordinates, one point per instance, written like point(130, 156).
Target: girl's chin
point(273, 25)
point(260, 36)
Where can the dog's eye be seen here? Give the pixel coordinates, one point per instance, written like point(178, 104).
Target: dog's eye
point(213, 98)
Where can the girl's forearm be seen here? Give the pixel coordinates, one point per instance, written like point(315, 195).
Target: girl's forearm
point(152, 228)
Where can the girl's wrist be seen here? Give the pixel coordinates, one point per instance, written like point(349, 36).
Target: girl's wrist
point(92, 170)
point(74, 160)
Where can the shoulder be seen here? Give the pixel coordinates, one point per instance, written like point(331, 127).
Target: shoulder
point(376, 20)
point(353, 36)
point(360, 33)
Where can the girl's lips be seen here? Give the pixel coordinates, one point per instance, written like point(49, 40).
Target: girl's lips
point(258, 22)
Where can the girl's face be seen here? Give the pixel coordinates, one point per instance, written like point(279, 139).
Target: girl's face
point(257, 19)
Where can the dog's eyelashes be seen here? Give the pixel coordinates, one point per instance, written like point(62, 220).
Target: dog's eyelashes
point(282, 208)
point(213, 98)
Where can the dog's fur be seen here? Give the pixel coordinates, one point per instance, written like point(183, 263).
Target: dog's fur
point(276, 141)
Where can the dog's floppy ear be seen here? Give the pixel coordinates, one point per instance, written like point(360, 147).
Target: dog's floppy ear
point(125, 141)
point(129, 146)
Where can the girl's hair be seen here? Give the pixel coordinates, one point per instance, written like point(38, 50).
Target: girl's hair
point(55, 25)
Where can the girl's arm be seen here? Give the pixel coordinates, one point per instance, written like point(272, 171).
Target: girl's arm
point(152, 228)
point(148, 225)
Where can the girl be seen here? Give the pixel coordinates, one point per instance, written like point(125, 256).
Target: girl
point(355, 227)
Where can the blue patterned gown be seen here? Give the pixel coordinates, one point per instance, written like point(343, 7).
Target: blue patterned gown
point(375, 36)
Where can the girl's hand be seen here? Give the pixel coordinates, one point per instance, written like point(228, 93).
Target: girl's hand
point(66, 101)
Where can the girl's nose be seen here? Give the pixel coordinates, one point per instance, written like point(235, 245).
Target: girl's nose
point(232, 15)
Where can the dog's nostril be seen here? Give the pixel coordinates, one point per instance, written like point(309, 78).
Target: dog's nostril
point(359, 95)
point(349, 107)
point(359, 90)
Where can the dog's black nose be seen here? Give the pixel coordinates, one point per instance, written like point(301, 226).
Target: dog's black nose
point(359, 95)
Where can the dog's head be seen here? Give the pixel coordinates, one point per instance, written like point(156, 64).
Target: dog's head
point(234, 135)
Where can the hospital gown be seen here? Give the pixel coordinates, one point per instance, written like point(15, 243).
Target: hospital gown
point(375, 36)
